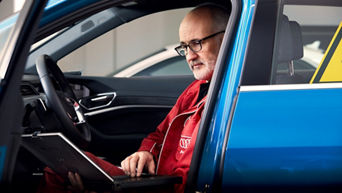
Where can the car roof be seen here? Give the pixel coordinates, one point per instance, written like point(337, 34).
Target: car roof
point(61, 13)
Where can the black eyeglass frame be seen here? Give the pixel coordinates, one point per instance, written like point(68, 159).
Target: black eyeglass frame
point(196, 42)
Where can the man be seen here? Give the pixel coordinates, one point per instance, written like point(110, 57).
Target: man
point(201, 33)
point(168, 150)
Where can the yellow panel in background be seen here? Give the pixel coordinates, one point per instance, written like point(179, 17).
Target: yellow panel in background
point(330, 68)
point(334, 70)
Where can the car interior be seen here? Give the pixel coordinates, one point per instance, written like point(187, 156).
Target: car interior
point(290, 48)
point(117, 113)
point(284, 57)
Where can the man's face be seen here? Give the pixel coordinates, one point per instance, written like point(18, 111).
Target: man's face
point(196, 26)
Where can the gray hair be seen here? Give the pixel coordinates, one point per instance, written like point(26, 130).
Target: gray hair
point(220, 14)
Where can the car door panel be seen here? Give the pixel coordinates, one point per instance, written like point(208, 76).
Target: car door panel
point(294, 145)
point(139, 105)
point(12, 60)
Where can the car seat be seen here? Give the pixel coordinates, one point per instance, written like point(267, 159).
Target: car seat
point(290, 49)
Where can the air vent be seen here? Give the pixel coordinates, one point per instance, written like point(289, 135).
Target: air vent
point(27, 90)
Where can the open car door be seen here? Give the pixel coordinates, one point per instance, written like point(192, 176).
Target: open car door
point(13, 55)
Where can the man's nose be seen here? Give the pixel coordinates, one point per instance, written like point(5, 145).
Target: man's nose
point(191, 55)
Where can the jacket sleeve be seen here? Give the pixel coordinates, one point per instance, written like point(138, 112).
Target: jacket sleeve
point(153, 142)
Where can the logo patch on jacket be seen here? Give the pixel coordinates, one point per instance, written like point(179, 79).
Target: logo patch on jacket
point(184, 144)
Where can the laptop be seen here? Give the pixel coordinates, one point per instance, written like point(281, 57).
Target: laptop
point(62, 156)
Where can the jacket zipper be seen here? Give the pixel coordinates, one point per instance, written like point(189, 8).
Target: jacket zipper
point(191, 112)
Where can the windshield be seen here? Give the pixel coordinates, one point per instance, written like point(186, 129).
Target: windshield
point(7, 23)
point(9, 12)
point(6, 27)
point(9, 15)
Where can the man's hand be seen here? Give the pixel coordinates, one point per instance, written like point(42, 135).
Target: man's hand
point(134, 164)
point(76, 183)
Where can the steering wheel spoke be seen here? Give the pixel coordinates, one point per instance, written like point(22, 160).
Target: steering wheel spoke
point(61, 99)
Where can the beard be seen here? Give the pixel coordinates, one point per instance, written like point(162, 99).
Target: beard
point(202, 70)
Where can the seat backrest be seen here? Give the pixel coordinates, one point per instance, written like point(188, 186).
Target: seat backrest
point(290, 44)
point(290, 48)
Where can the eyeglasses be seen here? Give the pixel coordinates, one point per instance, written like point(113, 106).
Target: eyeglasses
point(194, 45)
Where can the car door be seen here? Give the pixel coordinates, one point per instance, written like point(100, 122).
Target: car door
point(122, 111)
point(13, 55)
point(285, 132)
point(271, 129)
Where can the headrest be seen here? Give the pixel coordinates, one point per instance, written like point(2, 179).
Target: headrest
point(290, 44)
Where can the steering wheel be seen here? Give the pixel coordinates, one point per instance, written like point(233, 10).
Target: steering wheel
point(62, 100)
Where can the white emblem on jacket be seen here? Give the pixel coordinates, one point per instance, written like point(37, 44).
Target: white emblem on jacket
point(184, 142)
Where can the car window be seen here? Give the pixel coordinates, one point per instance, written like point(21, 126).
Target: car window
point(121, 47)
point(315, 32)
point(6, 27)
point(289, 45)
point(173, 66)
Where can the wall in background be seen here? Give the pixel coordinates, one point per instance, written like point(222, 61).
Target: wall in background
point(126, 44)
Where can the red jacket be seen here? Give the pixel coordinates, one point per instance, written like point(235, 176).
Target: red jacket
point(173, 142)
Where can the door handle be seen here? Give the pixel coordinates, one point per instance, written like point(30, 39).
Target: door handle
point(98, 101)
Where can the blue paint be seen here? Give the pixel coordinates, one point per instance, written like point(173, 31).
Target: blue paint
point(2, 160)
point(58, 8)
point(54, 9)
point(212, 152)
point(53, 3)
point(284, 166)
point(298, 118)
point(285, 137)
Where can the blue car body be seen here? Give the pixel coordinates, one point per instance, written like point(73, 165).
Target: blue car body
point(210, 165)
point(257, 137)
